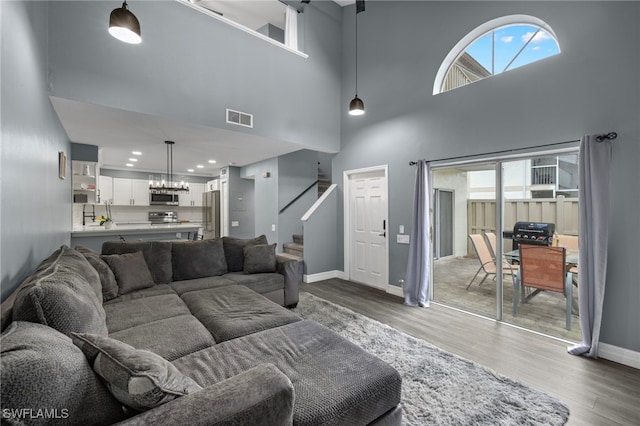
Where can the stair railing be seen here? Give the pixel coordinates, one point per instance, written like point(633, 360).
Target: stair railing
point(298, 197)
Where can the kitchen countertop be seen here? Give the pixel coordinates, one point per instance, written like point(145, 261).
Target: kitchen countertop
point(131, 228)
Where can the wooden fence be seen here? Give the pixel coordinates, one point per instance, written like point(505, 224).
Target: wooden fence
point(481, 215)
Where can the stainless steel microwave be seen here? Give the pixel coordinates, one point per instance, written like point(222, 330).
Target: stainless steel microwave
point(163, 199)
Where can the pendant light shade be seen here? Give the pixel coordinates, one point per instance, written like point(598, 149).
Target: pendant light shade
point(356, 107)
point(124, 25)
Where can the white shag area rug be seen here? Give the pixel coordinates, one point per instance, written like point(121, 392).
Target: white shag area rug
point(438, 387)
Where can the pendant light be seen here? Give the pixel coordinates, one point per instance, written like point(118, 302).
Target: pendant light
point(124, 25)
point(167, 185)
point(356, 106)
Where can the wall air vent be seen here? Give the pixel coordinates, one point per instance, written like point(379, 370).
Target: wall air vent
point(239, 118)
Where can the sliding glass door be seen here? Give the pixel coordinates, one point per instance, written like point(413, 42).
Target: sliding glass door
point(476, 207)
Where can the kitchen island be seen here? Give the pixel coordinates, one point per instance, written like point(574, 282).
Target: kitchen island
point(93, 235)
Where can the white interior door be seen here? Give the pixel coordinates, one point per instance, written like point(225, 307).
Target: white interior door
point(368, 255)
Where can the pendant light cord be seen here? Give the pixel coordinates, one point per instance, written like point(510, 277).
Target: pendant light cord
point(356, 51)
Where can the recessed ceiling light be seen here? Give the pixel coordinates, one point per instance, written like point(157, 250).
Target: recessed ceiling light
point(190, 170)
point(212, 161)
point(200, 166)
point(136, 152)
point(129, 165)
point(133, 159)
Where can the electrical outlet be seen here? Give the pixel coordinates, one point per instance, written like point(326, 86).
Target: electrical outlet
point(401, 229)
point(402, 239)
point(273, 227)
point(178, 234)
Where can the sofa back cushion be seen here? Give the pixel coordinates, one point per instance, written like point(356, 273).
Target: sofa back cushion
point(131, 271)
point(107, 279)
point(260, 258)
point(59, 295)
point(198, 259)
point(43, 370)
point(234, 250)
point(157, 254)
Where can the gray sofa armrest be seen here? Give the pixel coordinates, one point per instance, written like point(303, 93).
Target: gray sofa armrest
point(292, 271)
point(260, 396)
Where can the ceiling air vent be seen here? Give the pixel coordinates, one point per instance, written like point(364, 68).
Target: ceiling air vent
point(239, 118)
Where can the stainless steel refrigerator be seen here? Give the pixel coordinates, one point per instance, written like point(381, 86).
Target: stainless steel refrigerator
point(211, 214)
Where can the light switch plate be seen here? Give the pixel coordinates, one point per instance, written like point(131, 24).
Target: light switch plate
point(401, 230)
point(402, 239)
point(235, 223)
point(273, 227)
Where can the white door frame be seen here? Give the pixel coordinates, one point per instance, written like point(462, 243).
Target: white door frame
point(346, 176)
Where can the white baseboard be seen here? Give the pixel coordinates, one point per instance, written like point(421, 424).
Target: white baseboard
point(619, 355)
point(320, 276)
point(395, 290)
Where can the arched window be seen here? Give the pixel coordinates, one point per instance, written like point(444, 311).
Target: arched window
point(494, 47)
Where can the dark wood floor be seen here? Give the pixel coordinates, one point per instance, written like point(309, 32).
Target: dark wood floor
point(598, 392)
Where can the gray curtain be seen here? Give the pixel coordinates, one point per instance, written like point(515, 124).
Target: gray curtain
point(595, 179)
point(416, 285)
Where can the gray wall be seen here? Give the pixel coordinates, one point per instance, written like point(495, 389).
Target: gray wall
point(191, 67)
point(320, 231)
point(591, 87)
point(241, 204)
point(35, 211)
point(265, 196)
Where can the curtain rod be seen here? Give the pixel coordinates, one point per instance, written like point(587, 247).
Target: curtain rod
point(599, 138)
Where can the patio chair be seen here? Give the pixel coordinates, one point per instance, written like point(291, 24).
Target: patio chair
point(487, 261)
point(543, 268)
point(571, 243)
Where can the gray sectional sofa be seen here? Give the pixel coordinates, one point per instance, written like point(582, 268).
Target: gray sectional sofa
point(180, 333)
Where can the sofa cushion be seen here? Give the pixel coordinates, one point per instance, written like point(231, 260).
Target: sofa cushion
point(198, 259)
point(107, 279)
point(233, 250)
point(156, 253)
point(259, 258)
point(170, 338)
point(182, 287)
point(156, 290)
point(131, 271)
point(260, 283)
point(131, 313)
point(139, 379)
point(43, 369)
point(230, 312)
point(59, 296)
point(335, 381)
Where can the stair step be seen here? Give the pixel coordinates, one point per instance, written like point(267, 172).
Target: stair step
point(294, 248)
point(290, 256)
point(298, 239)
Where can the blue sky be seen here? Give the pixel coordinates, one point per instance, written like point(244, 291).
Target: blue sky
point(508, 42)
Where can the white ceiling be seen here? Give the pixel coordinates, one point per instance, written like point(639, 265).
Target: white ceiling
point(119, 132)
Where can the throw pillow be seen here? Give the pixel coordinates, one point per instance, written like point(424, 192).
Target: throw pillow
point(43, 369)
point(156, 253)
point(137, 378)
point(107, 278)
point(131, 271)
point(233, 250)
point(260, 258)
point(198, 259)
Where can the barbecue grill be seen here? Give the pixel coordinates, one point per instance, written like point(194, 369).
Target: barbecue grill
point(540, 233)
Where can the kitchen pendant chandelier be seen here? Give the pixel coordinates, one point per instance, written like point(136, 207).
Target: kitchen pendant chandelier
point(124, 25)
point(166, 183)
point(356, 106)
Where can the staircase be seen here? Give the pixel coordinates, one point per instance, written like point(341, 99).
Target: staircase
point(294, 250)
point(323, 183)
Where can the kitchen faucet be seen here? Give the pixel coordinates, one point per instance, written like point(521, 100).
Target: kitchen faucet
point(85, 215)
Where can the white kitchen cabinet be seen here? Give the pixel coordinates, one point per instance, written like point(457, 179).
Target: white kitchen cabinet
point(105, 189)
point(213, 185)
point(130, 192)
point(194, 197)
